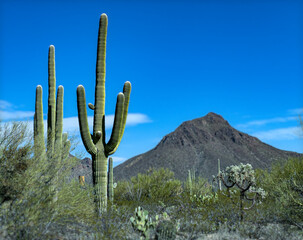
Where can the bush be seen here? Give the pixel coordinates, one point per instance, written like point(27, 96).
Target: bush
point(285, 192)
point(39, 195)
point(15, 152)
point(156, 185)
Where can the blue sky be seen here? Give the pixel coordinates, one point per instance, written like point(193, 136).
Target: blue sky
point(185, 58)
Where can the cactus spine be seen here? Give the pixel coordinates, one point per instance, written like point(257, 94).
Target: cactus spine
point(57, 144)
point(95, 144)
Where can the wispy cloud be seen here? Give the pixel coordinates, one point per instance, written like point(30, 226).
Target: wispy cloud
point(72, 124)
point(267, 121)
point(297, 111)
point(5, 104)
point(118, 159)
point(15, 115)
point(7, 112)
point(279, 134)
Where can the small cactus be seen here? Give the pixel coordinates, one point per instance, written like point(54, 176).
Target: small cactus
point(142, 223)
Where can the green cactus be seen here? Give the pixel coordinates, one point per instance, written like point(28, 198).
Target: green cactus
point(57, 144)
point(95, 144)
point(142, 223)
point(190, 184)
point(38, 124)
point(219, 180)
point(110, 180)
point(242, 176)
point(166, 230)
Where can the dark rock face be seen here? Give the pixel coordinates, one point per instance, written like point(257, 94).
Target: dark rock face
point(198, 144)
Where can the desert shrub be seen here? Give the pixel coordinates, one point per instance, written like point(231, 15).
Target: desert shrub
point(15, 152)
point(156, 185)
point(126, 195)
point(285, 192)
point(197, 191)
point(41, 193)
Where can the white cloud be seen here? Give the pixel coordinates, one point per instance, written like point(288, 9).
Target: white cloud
point(14, 115)
point(8, 113)
point(72, 124)
point(267, 121)
point(118, 159)
point(279, 134)
point(5, 104)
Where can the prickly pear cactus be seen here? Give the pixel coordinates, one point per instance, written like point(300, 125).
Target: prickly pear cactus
point(166, 230)
point(142, 223)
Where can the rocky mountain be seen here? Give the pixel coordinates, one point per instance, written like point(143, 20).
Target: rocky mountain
point(197, 145)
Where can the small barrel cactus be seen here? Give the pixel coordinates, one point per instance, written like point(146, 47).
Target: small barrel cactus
point(166, 230)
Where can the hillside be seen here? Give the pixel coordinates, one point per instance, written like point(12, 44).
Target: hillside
point(198, 144)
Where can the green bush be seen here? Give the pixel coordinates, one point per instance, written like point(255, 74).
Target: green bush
point(15, 158)
point(29, 209)
point(156, 185)
point(284, 184)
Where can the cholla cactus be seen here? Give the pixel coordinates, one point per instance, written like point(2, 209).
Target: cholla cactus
point(142, 223)
point(242, 177)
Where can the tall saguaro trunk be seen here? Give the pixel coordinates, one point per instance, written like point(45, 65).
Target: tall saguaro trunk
point(95, 144)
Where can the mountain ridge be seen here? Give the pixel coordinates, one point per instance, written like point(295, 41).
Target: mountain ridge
point(197, 145)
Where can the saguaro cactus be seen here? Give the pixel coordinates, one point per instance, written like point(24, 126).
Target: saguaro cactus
point(56, 140)
point(57, 144)
point(95, 144)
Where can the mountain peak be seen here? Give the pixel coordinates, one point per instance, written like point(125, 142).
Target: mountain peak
point(198, 144)
point(212, 117)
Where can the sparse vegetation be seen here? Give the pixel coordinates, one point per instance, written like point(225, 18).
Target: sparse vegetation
point(38, 200)
point(31, 214)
